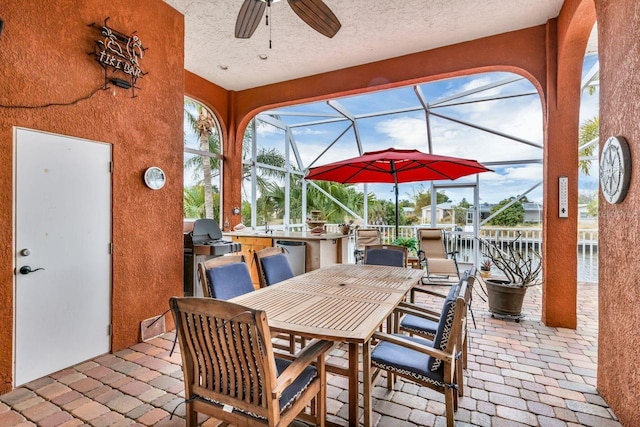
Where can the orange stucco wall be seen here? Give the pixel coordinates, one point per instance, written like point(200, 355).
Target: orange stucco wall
point(43, 59)
point(619, 225)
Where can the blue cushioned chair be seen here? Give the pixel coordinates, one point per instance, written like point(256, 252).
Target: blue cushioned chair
point(234, 376)
point(426, 321)
point(421, 321)
point(391, 255)
point(225, 277)
point(429, 363)
point(273, 266)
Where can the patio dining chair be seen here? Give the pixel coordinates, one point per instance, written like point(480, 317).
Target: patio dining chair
point(273, 267)
point(365, 237)
point(391, 255)
point(423, 322)
point(441, 265)
point(225, 277)
point(428, 363)
point(231, 372)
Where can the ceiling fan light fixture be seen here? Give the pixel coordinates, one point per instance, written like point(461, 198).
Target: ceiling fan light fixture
point(263, 57)
point(223, 67)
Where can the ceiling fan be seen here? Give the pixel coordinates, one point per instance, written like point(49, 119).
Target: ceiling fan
point(314, 12)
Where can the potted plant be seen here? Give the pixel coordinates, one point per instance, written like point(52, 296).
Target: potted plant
point(485, 267)
point(411, 243)
point(345, 228)
point(520, 269)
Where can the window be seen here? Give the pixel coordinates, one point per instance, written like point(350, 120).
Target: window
point(202, 162)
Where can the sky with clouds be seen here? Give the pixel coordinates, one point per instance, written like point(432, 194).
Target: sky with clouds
point(518, 114)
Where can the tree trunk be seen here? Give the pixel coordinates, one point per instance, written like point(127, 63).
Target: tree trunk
point(205, 128)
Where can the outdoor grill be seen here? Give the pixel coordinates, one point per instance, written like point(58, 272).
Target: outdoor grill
point(202, 242)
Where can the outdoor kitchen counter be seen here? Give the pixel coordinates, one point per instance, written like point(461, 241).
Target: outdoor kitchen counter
point(322, 250)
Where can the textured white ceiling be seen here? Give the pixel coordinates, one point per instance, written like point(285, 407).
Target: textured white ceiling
point(371, 31)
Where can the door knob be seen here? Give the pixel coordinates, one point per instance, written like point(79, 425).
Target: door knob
point(26, 269)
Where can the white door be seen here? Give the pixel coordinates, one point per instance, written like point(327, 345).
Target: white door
point(63, 234)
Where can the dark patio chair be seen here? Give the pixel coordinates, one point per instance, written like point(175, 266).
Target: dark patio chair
point(428, 363)
point(225, 277)
point(391, 255)
point(231, 373)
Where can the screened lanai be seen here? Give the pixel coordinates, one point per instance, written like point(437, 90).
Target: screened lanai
point(494, 118)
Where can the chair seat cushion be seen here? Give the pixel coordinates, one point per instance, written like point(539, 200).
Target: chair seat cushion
point(418, 324)
point(406, 361)
point(296, 388)
point(276, 268)
point(229, 280)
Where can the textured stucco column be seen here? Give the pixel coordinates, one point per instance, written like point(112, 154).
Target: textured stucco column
point(566, 43)
point(619, 225)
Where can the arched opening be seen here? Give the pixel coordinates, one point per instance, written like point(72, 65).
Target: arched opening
point(202, 162)
point(588, 139)
point(493, 117)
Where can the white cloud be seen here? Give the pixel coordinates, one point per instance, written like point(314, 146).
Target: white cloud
point(308, 131)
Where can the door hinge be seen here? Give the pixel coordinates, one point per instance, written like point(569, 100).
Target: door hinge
point(111, 167)
point(109, 329)
point(110, 248)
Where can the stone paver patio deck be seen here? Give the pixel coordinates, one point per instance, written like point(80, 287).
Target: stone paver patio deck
point(519, 374)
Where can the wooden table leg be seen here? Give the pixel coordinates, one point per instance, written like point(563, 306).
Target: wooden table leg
point(354, 369)
point(366, 379)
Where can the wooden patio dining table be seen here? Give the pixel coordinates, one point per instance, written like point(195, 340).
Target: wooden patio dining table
point(344, 303)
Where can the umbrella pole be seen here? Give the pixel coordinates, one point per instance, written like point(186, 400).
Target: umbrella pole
point(397, 216)
point(395, 182)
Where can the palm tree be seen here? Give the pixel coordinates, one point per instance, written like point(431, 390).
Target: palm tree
point(589, 130)
point(193, 202)
point(203, 127)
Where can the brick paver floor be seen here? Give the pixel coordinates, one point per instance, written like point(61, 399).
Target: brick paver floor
point(519, 374)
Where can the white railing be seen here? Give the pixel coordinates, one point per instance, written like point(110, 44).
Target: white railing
point(530, 239)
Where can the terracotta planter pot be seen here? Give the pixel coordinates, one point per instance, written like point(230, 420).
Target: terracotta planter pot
point(504, 299)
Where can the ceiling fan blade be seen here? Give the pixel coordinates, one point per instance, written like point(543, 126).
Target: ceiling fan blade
point(317, 15)
point(249, 17)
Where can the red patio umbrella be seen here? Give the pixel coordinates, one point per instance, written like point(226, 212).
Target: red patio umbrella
point(395, 166)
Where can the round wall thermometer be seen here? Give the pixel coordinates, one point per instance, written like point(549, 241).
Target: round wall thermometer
point(615, 169)
point(155, 178)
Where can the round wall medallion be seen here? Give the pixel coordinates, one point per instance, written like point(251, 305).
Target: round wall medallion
point(615, 169)
point(155, 178)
